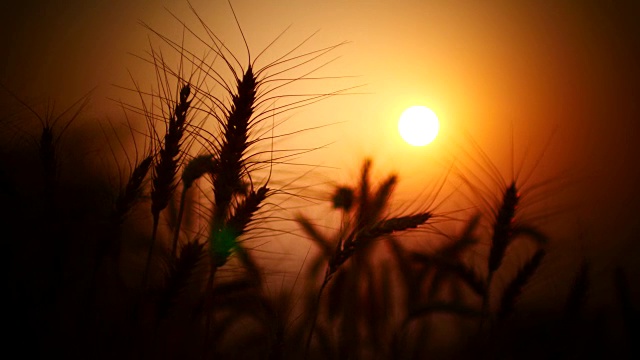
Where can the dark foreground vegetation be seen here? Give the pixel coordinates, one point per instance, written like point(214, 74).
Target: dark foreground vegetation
point(135, 265)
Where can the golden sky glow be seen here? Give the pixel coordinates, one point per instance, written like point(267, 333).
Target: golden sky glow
point(320, 179)
point(495, 73)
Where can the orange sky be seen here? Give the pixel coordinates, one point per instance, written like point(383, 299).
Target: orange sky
point(551, 70)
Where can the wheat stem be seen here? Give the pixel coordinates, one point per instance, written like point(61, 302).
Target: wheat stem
point(166, 168)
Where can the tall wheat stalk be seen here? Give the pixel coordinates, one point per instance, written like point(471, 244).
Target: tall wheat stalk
point(166, 167)
point(506, 229)
point(369, 225)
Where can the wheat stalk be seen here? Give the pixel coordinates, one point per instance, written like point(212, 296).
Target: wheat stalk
point(502, 235)
point(366, 228)
point(166, 168)
point(228, 180)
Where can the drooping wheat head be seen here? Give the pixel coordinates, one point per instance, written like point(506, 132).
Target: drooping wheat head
point(197, 168)
point(194, 169)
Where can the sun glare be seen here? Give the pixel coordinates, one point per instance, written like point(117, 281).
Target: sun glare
point(418, 125)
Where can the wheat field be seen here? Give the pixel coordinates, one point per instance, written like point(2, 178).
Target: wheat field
point(153, 246)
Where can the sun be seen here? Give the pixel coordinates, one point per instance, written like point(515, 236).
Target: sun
point(418, 125)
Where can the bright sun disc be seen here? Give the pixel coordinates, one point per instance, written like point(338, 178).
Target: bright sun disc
point(418, 125)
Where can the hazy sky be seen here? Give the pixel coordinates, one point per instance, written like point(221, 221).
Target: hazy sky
point(559, 73)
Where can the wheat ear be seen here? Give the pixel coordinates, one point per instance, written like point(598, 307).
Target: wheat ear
point(226, 240)
point(502, 235)
point(228, 180)
point(195, 169)
point(367, 227)
point(110, 243)
point(166, 168)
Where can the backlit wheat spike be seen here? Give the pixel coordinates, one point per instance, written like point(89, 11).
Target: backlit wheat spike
point(228, 180)
point(224, 240)
point(198, 167)
point(195, 169)
point(360, 234)
point(132, 191)
point(385, 227)
point(503, 227)
point(166, 168)
point(502, 235)
point(401, 223)
point(124, 203)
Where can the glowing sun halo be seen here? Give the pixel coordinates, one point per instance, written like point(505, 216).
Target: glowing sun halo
point(418, 125)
